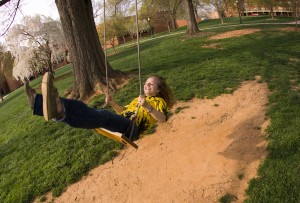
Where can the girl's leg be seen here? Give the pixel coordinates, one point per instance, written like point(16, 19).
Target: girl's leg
point(78, 115)
point(38, 105)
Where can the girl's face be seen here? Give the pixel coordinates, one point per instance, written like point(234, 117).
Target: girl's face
point(151, 86)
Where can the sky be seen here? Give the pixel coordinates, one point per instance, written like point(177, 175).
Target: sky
point(33, 7)
point(43, 7)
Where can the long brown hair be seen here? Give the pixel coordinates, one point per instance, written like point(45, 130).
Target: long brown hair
point(164, 91)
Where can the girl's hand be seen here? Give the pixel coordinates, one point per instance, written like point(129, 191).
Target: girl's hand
point(157, 115)
point(109, 99)
point(142, 101)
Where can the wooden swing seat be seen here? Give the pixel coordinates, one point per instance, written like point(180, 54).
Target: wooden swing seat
point(116, 136)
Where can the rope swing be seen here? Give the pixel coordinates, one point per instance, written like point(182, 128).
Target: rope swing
point(115, 135)
point(138, 44)
point(105, 50)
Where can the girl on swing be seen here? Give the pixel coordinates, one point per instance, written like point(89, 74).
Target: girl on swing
point(153, 107)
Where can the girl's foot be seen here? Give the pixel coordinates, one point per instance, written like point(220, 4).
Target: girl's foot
point(50, 97)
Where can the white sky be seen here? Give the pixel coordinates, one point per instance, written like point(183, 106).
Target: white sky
point(43, 7)
point(33, 7)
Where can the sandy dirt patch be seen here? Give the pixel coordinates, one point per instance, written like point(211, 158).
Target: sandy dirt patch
point(234, 33)
point(213, 46)
point(205, 151)
point(290, 29)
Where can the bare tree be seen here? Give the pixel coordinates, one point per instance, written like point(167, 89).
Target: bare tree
point(1, 70)
point(270, 4)
point(165, 9)
point(192, 27)
point(296, 12)
point(219, 5)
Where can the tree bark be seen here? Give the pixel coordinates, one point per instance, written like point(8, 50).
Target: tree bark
point(221, 14)
point(84, 46)
point(192, 27)
point(272, 12)
point(173, 22)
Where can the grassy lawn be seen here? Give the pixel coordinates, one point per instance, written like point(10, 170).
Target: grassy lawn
point(38, 156)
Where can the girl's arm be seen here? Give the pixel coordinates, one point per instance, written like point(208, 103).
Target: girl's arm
point(159, 116)
point(109, 100)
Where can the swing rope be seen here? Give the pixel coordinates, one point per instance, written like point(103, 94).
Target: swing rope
point(105, 50)
point(138, 44)
point(139, 61)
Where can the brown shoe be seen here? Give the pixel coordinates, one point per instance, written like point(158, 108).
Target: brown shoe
point(30, 94)
point(50, 94)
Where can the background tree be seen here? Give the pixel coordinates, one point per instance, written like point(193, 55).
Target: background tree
point(197, 4)
point(192, 27)
point(143, 26)
point(219, 5)
point(36, 44)
point(270, 4)
point(6, 65)
point(296, 9)
point(202, 8)
point(130, 26)
point(115, 16)
point(171, 7)
point(7, 61)
point(1, 69)
point(119, 22)
point(240, 8)
point(110, 35)
point(164, 9)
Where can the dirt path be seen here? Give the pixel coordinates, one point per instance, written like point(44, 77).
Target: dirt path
point(202, 153)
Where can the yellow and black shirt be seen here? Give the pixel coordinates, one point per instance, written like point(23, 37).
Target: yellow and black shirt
point(144, 119)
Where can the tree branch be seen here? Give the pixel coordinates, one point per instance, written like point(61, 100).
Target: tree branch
point(3, 2)
point(116, 4)
point(14, 15)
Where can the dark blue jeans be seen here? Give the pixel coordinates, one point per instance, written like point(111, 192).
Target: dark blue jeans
point(79, 115)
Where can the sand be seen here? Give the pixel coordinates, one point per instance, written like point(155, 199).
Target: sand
point(207, 150)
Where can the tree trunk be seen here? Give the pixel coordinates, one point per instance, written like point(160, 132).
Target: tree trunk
point(173, 22)
point(192, 27)
point(272, 12)
point(86, 53)
point(221, 15)
point(112, 43)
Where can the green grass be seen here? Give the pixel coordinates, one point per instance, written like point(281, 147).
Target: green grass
point(38, 156)
point(228, 198)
